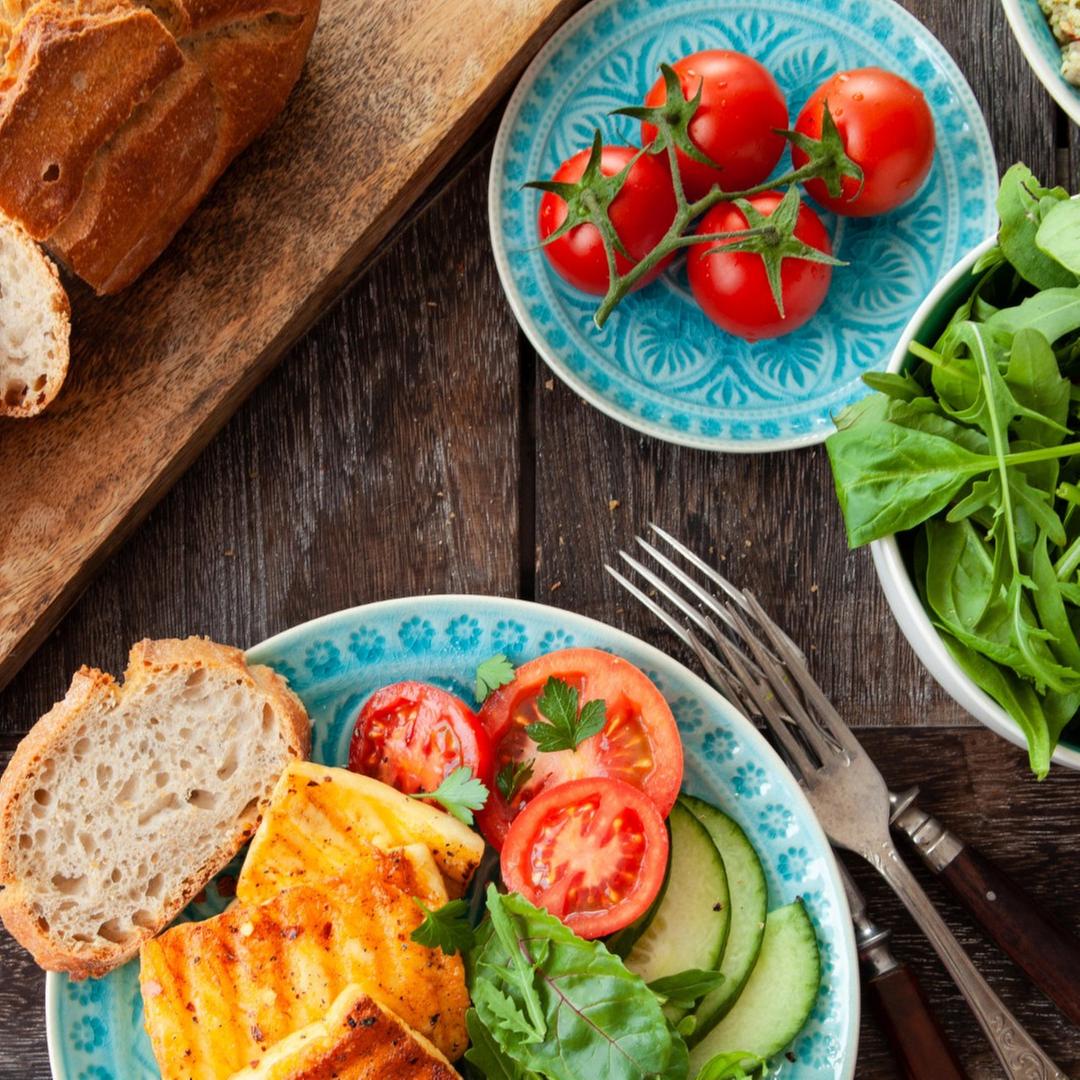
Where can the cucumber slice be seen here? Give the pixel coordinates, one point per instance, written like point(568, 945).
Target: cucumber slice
point(690, 927)
point(749, 902)
point(778, 996)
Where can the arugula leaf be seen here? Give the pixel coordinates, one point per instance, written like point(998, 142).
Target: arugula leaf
point(1059, 235)
point(685, 989)
point(736, 1065)
point(600, 1019)
point(1022, 204)
point(492, 673)
point(447, 928)
point(563, 728)
point(1053, 312)
point(513, 776)
point(459, 794)
point(486, 1057)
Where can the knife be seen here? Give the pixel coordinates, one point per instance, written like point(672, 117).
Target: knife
point(1048, 953)
point(917, 1041)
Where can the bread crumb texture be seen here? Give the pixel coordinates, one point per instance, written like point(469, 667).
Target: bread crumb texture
point(125, 799)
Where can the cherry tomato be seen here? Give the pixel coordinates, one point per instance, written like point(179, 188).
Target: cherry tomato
point(639, 743)
point(741, 105)
point(640, 213)
point(733, 288)
point(592, 852)
point(887, 130)
point(411, 736)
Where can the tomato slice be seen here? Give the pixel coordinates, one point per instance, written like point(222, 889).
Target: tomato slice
point(639, 743)
point(412, 735)
point(592, 852)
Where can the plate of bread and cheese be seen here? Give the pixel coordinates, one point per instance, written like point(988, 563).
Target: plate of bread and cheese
point(303, 861)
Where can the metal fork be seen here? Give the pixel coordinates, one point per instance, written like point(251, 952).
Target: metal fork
point(769, 679)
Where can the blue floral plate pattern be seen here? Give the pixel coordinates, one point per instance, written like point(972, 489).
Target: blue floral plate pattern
point(95, 1028)
point(659, 365)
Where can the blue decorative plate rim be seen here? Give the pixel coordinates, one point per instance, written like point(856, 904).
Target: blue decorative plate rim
point(425, 637)
point(1042, 52)
point(604, 381)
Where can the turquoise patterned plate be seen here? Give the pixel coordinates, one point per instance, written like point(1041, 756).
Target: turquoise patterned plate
point(659, 365)
point(95, 1028)
point(1042, 52)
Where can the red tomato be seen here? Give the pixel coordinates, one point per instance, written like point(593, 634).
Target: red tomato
point(639, 744)
point(887, 130)
point(592, 852)
point(733, 289)
point(740, 107)
point(411, 736)
point(641, 214)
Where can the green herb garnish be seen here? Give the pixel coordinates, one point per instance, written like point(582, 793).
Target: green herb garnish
point(563, 727)
point(459, 794)
point(447, 928)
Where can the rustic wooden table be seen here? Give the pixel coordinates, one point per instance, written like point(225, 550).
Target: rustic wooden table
point(414, 443)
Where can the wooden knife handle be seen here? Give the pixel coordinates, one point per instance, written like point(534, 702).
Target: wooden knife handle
point(1047, 952)
point(919, 1045)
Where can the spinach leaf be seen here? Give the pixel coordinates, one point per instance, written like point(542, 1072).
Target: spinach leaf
point(1059, 235)
point(599, 1018)
point(1053, 312)
point(1022, 204)
point(890, 478)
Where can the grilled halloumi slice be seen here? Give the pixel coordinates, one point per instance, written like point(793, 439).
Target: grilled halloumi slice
point(219, 993)
point(358, 1040)
point(320, 816)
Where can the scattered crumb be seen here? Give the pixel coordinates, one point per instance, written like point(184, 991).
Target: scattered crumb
point(549, 384)
point(229, 552)
point(555, 585)
point(723, 558)
point(613, 504)
point(452, 515)
point(813, 588)
point(562, 542)
point(432, 303)
point(749, 543)
point(813, 648)
point(440, 494)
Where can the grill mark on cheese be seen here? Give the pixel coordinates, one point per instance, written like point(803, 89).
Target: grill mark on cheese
point(268, 969)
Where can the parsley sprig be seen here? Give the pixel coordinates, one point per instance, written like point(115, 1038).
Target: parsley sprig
point(589, 198)
point(513, 776)
point(459, 794)
point(492, 673)
point(447, 928)
point(563, 726)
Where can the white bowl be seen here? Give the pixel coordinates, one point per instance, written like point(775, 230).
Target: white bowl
point(891, 569)
point(1042, 52)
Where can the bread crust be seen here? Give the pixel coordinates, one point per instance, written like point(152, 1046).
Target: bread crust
point(107, 176)
point(92, 689)
point(59, 313)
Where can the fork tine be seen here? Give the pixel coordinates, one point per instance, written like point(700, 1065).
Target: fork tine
point(777, 673)
point(665, 590)
point(642, 597)
point(715, 668)
point(687, 582)
point(765, 703)
point(701, 564)
point(828, 719)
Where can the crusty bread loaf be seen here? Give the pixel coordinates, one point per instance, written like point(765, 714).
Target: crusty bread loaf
point(124, 800)
point(117, 116)
point(35, 325)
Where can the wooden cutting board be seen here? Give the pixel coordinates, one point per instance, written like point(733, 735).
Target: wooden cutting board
point(391, 89)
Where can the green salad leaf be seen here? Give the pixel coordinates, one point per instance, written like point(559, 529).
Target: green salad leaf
point(972, 454)
point(447, 928)
point(562, 1008)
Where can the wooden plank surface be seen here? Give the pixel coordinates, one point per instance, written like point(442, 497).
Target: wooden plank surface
point(390, 91)
point(324, 490)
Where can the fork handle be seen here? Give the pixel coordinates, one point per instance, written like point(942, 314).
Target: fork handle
point(1019, 1054)
point(1046, 951)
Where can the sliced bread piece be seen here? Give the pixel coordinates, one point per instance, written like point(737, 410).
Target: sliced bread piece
point(124, 800)
point(35, 325)
point(358, 1040)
